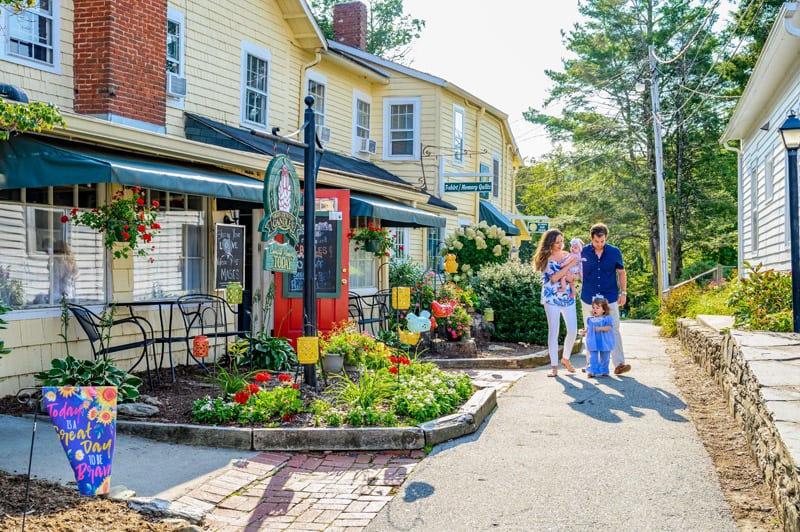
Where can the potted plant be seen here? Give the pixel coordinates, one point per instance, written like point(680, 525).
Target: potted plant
point(376, 240)
point(127, 220)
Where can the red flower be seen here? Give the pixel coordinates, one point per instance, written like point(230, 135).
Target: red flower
point(289, 417)
point(393, 369)
point(253, 388)
point(155, 203)
point(64, 218)
point(140, 201)
point(241, 397)
point(295, 386)
point(156, 226)
point(141, 228)
point(284, 377)
point(404, 360)
point(125, 235)
point(393, 359)
point(263, 376)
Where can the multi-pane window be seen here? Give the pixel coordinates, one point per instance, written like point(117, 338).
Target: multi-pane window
point(401, 135)
point(400, 237)
point(30, 33)
point(43, 258)
point(496, 175)
point(362, 119)
point(177, 265)
point(174, 43)
point(363, 274)
point(458, 134)
point(256, 87)
point(434, 260)
point(316, 88)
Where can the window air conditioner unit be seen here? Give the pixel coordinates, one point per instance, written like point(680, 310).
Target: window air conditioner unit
point(324, 134)
point(368, 146)
point(176, 86)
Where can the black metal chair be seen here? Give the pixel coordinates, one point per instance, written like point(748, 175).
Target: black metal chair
point(210, 316)
point(98, 331)
point(370, 311)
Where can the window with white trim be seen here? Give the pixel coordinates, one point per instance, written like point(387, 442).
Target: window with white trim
point(363, 274)
point(496, 175)
point(401, 135)
point(177, 267)
point(434, 260)
point(362, 114)
point(769, 179)
point(458, 134)
point(255, 86)
point(316, 88)
point(32, 35)
point(175, 41)
point(401, 237)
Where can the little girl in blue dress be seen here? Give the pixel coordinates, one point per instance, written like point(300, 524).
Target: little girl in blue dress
point(599, 338)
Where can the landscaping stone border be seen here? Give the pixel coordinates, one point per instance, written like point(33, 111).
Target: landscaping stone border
point(759, 375)
point(466, 421)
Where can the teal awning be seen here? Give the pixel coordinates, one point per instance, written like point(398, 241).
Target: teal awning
point(393, 214)
point(26, 162)
point(492, 216)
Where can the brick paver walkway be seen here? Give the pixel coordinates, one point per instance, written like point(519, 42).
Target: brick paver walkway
point(288, 491)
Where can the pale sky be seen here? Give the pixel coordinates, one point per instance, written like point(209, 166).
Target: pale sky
point(497, 51)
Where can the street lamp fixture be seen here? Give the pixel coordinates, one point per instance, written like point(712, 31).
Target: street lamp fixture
point(790, 133)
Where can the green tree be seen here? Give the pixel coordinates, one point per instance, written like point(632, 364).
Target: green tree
point(609, 123)
point(389, 30)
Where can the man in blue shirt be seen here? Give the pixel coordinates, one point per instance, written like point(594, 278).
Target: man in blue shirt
point(604, 275)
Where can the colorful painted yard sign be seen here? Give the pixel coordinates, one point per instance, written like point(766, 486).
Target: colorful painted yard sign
point(281, 206)
point(85, 420)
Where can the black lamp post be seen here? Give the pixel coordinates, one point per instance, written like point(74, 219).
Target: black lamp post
point(790, 133)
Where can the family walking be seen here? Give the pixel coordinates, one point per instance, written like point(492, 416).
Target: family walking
point(602, 270)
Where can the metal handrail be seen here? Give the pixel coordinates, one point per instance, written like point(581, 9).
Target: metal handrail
point(717, 271)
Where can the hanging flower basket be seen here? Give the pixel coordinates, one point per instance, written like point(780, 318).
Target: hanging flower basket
point(373, 239)
point(126, 220)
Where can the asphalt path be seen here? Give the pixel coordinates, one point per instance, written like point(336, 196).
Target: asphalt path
point(573, 453)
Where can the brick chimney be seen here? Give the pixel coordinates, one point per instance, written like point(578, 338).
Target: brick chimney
point(350, 24)
point(120, 59)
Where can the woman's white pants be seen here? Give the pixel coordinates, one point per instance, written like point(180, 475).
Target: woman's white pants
point(554, 313)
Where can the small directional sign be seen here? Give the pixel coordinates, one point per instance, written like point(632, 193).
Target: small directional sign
point(538, 227)
point(468, 187)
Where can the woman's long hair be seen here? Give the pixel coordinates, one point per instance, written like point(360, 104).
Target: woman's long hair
point(545, 249)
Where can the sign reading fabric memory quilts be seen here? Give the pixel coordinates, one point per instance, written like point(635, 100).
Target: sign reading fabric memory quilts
point(85, 420)
point(281, 206)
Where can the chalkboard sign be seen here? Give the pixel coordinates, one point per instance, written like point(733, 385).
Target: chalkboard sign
point(229, 255)
point(327, 265)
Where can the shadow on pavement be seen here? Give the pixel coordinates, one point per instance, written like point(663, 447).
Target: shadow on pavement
point(626, 397)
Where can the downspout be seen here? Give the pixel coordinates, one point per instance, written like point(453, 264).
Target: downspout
point(740, 204)
point(302, 95)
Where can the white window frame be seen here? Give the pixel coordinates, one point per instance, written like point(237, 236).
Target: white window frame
point(360, 97)
point(249, 49)
point(402, 238)
point(388, 103)
point(769, 178)
point(497, 162)
point(6, 19)
point(458, 134)
point(319, 103)
point(178, 18)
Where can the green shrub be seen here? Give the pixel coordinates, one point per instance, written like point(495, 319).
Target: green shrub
point(674, 306)
point(272, 353)
point(514, 291)
point(714, 300)
point(762, 299)
point(70, 371)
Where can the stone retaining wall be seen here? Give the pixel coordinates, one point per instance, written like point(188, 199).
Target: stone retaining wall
point(721, 357)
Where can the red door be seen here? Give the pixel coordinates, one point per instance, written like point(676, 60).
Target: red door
point(332, 267)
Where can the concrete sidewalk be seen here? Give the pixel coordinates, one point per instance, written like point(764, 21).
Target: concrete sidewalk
point(571, 453)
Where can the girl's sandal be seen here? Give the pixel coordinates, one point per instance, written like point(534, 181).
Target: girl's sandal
point(567, 364)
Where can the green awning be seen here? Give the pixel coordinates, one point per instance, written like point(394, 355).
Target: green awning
point(393, 214)
point(491, 215)
point(26, 162)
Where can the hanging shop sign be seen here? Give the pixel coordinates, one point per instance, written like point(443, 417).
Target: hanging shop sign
point(483, 186)
point(281, 197)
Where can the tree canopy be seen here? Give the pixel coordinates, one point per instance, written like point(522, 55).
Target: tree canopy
point(389, 30)
point(605, 114)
